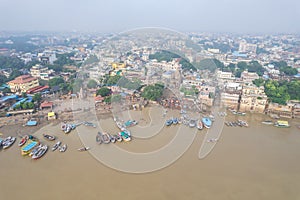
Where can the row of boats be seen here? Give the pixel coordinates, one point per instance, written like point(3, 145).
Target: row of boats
point(200, 123)
point(239, 123)
point(106, 138)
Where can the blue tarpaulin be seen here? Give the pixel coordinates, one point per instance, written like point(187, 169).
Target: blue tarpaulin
point(31, 123)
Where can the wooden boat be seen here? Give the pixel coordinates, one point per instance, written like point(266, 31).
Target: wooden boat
point(99, 138)
point(23, 140)
point(49, 137)
point(169, 122)
point(175, 120)
point(192, 123)
point(200, 124)
point(105, 138)
point(268, 122)
point(42, 150)
point(83, 149)
point(206, 122)
point(35, 149)
point(56, 145)
point(125, 136)
point(62, 148)
point(112, 138)
point(282, 124)
point(29, 146)
point(7, 142)
point(118, 138)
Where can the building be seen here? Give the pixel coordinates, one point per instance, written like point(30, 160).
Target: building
point(280, 110)
point(253, 99)
point(23, 83)
point(47, 57)
point(249, 77)
point(206, 95)
point(40, 71)
point(247, 47)
point(230, 97)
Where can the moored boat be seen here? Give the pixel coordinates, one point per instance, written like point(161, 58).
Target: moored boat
point(42, 150)
point(199, 124)
point(125, 136)
point(118, 138)
point(268, 122)
point(23, 140)
point(112, 138)
point(29, 146)
point(83, 149)
point(175, 120)
point(105, 138)
point(282, 124)
point(192, 123)
point(62, 148)
point(7, 142)
point(49, 137)
point(99, 138)
point(56, 145)
point(169, 122)
point(35, 149)
point(206, 122)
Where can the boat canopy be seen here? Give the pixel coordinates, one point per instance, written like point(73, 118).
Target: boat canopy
point(29, 146)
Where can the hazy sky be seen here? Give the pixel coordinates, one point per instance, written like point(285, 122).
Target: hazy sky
point(252, 16)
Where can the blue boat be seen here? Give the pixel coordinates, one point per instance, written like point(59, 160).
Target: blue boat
point(175, 121)
point(206, 122)
point(169, 122)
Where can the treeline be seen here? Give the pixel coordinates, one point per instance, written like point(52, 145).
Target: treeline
point(280, 91)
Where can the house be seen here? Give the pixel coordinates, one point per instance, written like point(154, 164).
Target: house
point(253, 99)
point(23, 83)
point(248, 77)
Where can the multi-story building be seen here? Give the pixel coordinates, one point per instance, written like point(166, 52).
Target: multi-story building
point(247, 47)
point(248, 77)
point(23, 83)
point(230, 97)
point(42, 72)
point(206, 95)
point(47, 57)
point(253, 99)
point(280, 110)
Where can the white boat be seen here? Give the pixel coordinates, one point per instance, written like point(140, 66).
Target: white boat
point(56, 145)
point(268, 122)
point(42, 150)
point(7, 142)
point(62, 148)
point(83, 149)
point(199, 124)
point(35, 149)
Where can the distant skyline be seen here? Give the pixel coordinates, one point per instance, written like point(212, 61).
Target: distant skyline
point(234, 16)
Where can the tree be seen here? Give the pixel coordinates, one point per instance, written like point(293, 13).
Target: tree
point(258, 82)
point(113, 80)
point(92, 84)
point(24, 95)
point(56, 81)
point(37, 97)
point(153, 92)
point(104, 91)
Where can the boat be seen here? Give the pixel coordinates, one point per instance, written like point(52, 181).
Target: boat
point(62, 148)
point(1, 140)
point(240, 113)
point(99, 138)
point(125, 136)
point(212, 140)
point(130, 123)
point(105, 138)
point(169, 122)
point(175, 120)
point(23, 140)
point(66, 128)
point(83, 149)
point(268, 122)
point(35, 149)
point(42, 150)
point(200, 124)
point(49, 137)
point(282, 124)
point(112, 138)
point(7, 142)
point(118, 138)
point(192, 123)
point(56, 145)
point(206, 122)
point(29, 146)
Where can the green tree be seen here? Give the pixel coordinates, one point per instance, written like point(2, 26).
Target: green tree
point(92, 84)
point(104, 91)
point(153, 92)
point(56, 81)
point(113, 80)
point(30, 105)
point(24, 95)
point(37, 97)
point(258, 82)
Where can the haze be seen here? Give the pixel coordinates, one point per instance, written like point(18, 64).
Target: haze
point(255, 16)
